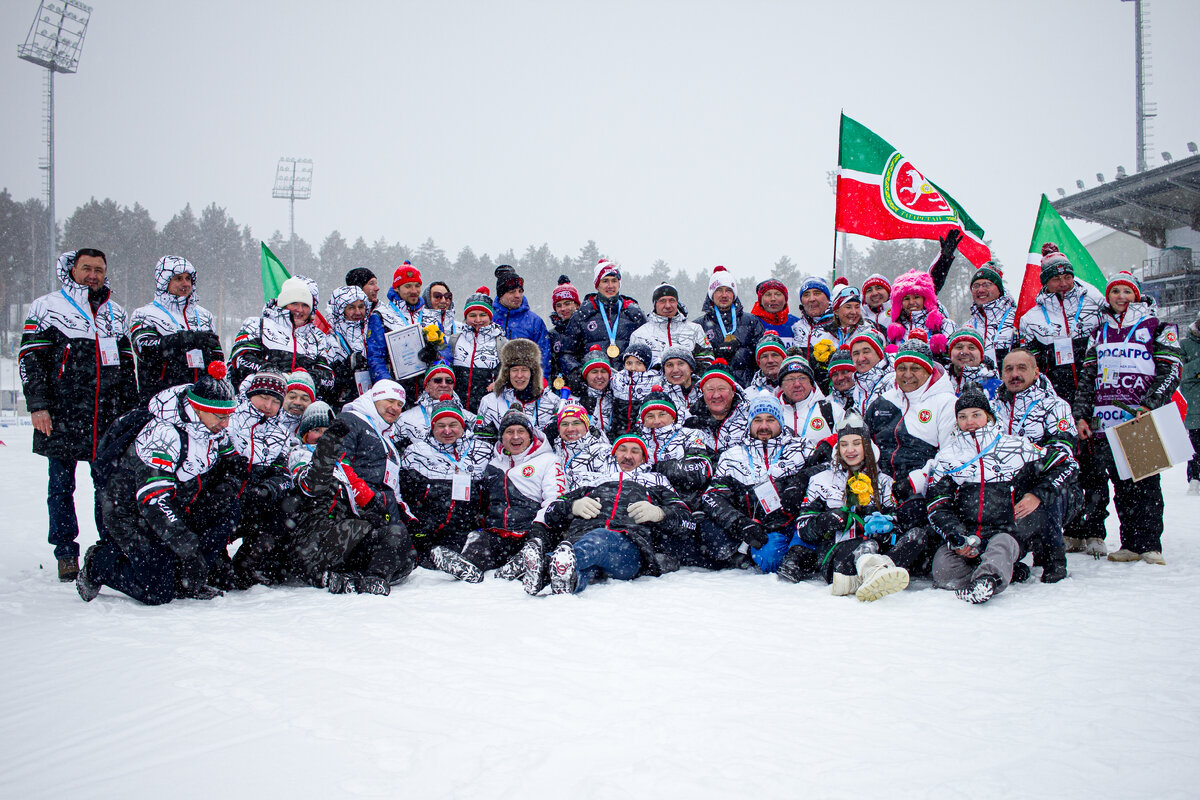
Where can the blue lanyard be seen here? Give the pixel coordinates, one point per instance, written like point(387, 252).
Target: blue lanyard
point(807, 419)
point(721, 323)
point(166, 311)
point(1004, 319)
point(667, 443)
point(1074, 323)
point(978, 456)
point(93, 320)
point(400, 313)
point(750, 464)
point(455, 461)
point(611, 329)
point(1128, 336)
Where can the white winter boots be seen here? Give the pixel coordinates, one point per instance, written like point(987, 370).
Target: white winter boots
point(877, 577)
point(1194, 487)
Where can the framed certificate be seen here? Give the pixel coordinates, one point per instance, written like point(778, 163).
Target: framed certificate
point(403, 345)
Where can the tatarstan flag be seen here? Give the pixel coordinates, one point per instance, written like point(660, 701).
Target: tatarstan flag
point(881, 195)
point(1050, 227)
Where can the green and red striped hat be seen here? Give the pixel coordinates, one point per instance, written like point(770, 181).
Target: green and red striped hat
point(871, 337)
point(840, 360)
point(446, 407)
point(439, 366)
point(657, 400)
point(481, 300)
point(212, 392)
point(719, 368)
point(769, 343)
point(914, 351)
point(965, 335)
point(631, 438)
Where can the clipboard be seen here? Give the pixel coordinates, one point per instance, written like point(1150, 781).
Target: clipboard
point(403, 346)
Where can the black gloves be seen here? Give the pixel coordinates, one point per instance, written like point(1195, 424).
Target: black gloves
point(375, 512)
point(753, 534)
point(831, 523)
point(950, 242)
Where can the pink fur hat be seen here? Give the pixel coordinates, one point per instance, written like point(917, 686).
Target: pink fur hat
point(917, 282)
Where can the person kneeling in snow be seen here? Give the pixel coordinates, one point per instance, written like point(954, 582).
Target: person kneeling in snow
point(972, 486)
point(345, 538)
point(615, 524)
point(166, 522)
point(843, 529)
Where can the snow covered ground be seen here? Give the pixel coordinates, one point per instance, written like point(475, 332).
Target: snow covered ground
point(693, 685)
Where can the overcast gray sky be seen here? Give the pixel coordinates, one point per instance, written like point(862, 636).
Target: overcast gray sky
point(695, 132)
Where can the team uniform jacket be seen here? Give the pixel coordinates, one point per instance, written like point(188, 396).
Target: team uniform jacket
point(659, 333)
point(541, 409)
point(909, 428)
point(415, 423)
point(719, 435)
point(1074, 315)
point(617, 490)
point(522, 323)
point(746, 330)
point(629, 389)
point(392, 314)
point(807, 331)
point(347, 345)
point(370, 452)
point(827, 492)
point(1136, 360)
point(1038, 414)
point(812, 420)
point(874, 382)
point(263, 446)
point(983, 374)
point(882, 317)
point(996, 323)
point(979, 476)
point(915, 320)
point(682, 398)
point(599, 405)
point(682, 455)
point(731, 500)
point(589, 453)
point(517, 489)
point(62, 369)
point(587, 328)
point(477, 360)
point(427, 483)
point(164, 332)
point(269, 341)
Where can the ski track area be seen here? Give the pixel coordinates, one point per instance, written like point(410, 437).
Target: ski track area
point(693, 685)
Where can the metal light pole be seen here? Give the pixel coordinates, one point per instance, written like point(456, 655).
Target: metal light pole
point(293, 181)
point(1144, 110)
point(54, 42)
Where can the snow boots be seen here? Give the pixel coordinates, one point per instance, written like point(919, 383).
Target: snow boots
point(1124, 555)
point(563, 576)
point(1072, 544)
point(453, 563)
point(533, 566)
point(87, 588)
point(68, 568)
point(842, 585)
point(1154, 557)
point(1096, 548)
point(980, 590)
point(878, 577)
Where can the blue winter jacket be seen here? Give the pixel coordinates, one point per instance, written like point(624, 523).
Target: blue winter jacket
point(381, 320)
point(522, 323)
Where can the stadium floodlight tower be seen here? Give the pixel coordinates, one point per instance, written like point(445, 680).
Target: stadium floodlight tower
point(293, 181)
point(54, 42)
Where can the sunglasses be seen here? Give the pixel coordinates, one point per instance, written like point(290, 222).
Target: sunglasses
point(440, 296)
point(447, 381)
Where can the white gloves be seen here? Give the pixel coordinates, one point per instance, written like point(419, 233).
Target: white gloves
point(644, 511)
point(586, 508)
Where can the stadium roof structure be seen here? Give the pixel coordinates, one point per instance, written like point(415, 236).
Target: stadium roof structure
point(1146, 204)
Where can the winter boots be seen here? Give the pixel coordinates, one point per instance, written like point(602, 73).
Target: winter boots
point(1096, 548)
point(878, 577)
point(980, 590)
point(1154, 557)
point(1072, 544)
point(533, 566)
point(453, 563)
point(84, 584)
point(1021, 572)
point(563, 576)
point(1193, 487)
point(1124, 555)
point(842, 585)
point(68, 568)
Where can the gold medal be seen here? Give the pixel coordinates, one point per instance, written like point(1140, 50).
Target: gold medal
point(559, 383)
point(729, 337)
point(613, 351)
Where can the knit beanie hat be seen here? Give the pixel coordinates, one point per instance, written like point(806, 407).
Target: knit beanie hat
point(387, 389)
point(840, 360)
point(769, 342)
point(596, 359)
point(507, 279)
point(272, 384)
point(965, 335)
point(814, 282)
point(721, 278)
point(771, 283)
point(213, 392)
point(631, 438)
point(973, 397)
point(845, 294)
point(515, 416)
point(605, 267)
point(871, 337)
point(657, 400)
point(317, 415)
point(989, 272)
point(639, 351)
point(294, 290)
point(359, 276)
point(876, 279)
point(439, 366)
point(480, 301)
point(446, 407)
point(405, 273)
point(564, 291)
point(719, 369)
point(914, 351)
point(764, 403)
point(302, 381)
point(1054, 263)
point(572, 410)
point(681, 352)
point(663, 290)
point(1125, 278)
point(796, 363)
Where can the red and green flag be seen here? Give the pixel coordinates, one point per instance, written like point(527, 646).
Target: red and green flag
point(274, 273)
point(1050, 227)
point(882, 195)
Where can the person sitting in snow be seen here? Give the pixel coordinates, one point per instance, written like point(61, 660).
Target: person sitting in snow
point(519, 384)
point(981, 484)
point(617, 525)
point(580, 448)
point(477, 349)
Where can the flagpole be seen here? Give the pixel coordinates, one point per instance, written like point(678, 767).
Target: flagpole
point(836, 173)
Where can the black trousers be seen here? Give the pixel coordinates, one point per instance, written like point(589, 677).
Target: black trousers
point(1139, 507)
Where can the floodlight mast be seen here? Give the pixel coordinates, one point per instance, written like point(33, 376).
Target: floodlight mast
point(54, 42)
point(293, 181)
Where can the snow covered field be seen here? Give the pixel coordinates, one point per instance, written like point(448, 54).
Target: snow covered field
point(693, 685)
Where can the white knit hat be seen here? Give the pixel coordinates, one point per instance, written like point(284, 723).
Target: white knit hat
point(721, 277)
point(294, 290)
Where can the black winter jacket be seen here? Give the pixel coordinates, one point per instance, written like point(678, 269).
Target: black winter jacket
point(586, 328)
point(739, 353)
